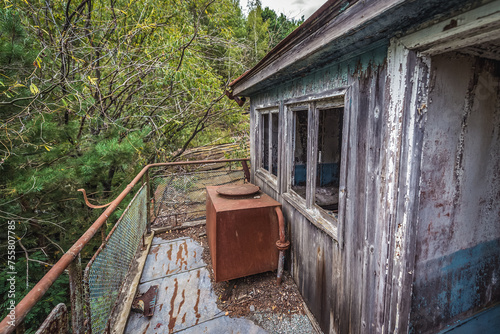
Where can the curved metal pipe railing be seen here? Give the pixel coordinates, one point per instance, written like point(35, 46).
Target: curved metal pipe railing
point(35, 294)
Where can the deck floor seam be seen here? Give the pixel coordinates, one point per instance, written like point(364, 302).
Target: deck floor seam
point(172, 275)
point(166, 242)
point(219, 315)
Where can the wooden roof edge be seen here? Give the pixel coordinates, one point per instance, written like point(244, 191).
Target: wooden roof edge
point(339, 28)
point(308, 25)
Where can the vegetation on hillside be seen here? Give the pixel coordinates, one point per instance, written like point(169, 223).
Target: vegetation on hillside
point(91, 91)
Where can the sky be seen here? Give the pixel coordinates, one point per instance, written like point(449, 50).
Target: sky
point(291, 8)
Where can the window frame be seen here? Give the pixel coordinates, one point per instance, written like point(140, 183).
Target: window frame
point(307, 206)
point(262, 172)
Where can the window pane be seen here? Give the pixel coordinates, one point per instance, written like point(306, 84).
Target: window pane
point(274, 150)
point(300, 153)
point(329, 149)
point(265, 141)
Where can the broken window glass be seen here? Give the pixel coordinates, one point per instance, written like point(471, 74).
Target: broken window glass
point(265, 141)
point(269, 141)
point(274, 146)
point(329, 154)
point(300, 152)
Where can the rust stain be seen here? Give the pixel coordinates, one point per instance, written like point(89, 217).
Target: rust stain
point(171, 323)
point(169, 252)
point(168, 269)
point(453, 24)
point(146, 329)
point(184, 318)
point(198, 315)
point(161, 306)
point(179, 255)
point(180, 258)
point(155, 252)
point(158, 325)
point(182, 302)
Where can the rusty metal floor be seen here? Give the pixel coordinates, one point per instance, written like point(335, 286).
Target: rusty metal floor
point(186, 301)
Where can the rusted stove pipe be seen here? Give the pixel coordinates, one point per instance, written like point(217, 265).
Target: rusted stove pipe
point(282, 244)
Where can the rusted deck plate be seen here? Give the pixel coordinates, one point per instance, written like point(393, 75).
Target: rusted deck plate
point(182, 303)
point(168, 258)
point(186, 300)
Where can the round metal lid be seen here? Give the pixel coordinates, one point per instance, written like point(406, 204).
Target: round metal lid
point(238, 190)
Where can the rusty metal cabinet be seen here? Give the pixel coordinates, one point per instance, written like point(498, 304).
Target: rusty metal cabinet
point(242, 234)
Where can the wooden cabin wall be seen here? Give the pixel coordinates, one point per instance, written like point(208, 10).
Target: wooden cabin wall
point(457, 266)
point(343, 284)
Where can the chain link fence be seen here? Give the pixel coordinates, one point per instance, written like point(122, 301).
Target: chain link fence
point(180, 196)
point(106, 271)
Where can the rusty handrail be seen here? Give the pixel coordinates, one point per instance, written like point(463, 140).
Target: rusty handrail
point(35, 294)
point(90, 205)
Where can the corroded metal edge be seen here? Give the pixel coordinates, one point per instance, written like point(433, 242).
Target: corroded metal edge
point(120, 314)
point(56, 322)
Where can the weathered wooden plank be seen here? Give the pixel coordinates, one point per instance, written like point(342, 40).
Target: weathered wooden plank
point(404, 244)
point(312, 251)
point(281, 149)
point(479, 25)
point(374, 245)
point(358, 235)
point(312, 154)
point(349, 263)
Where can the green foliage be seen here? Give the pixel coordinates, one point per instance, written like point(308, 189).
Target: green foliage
point(55, 295)
point(278, 26)
point(257, 31)
point(91, 91)
point(16, 53)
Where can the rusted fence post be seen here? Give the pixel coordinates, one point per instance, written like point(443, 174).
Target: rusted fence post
point(76, 295)
point(56, 322)
point(246, 170)
point(148, 204)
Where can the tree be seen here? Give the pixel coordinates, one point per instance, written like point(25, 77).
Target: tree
point(91, 92)
point(257, 31)
point(278, 26)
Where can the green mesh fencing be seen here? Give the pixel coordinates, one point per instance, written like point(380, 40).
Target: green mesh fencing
point(180, 197)
point(105, 273)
